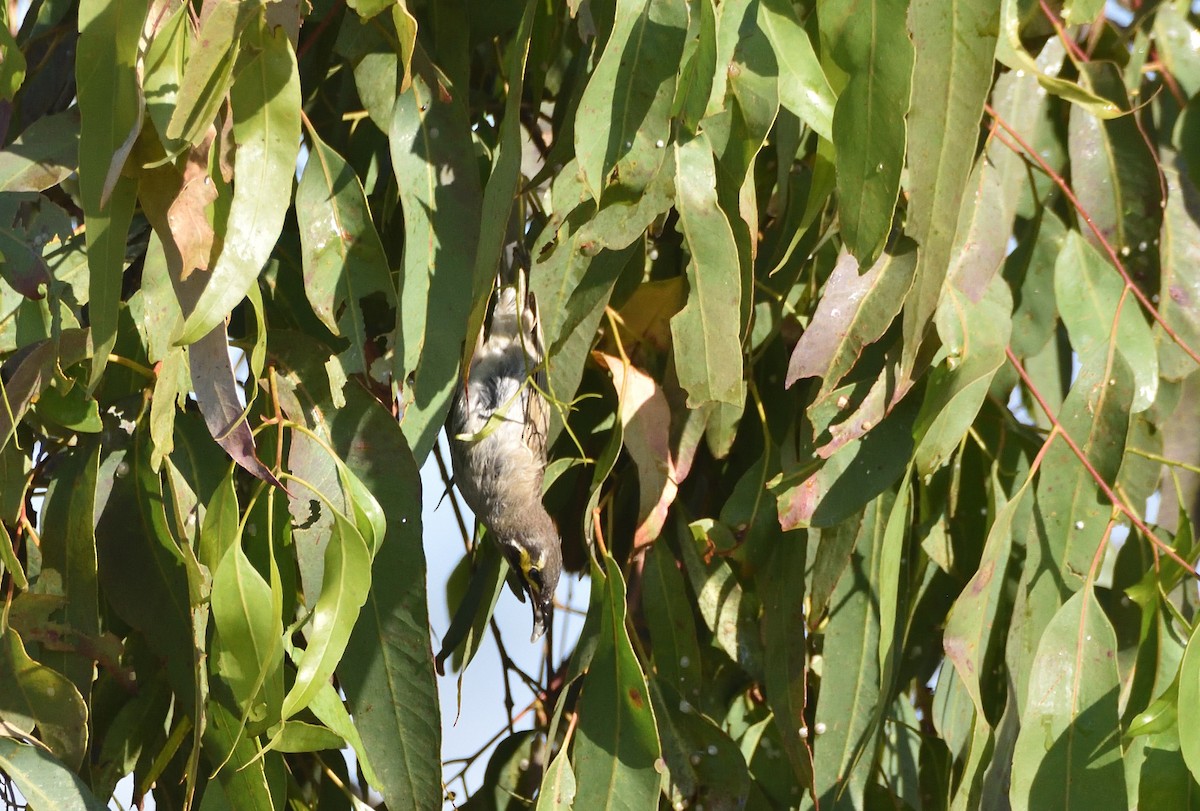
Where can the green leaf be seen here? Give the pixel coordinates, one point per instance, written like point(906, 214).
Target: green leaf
point(165, 66)
point(1073, 515)
point(1078, 12)
point(699, 66)
point(1164, 779)
point(850, 673)
point(344, 590)
point(1029, 270)
point(110, 110)
point(469, 624)
point(501, 189)
point(44, 781)
point(69, 548)
point(506, 781)
point(786, 666)
point(208, 70)
point(1068, 752)
point(35, 696)
point(297, 736)
point(973, 336)
point(1189, 696)
point(344, 261)
point(853, 475)
point(709, 324)
point(558, 785)
point(266, 127)
point(142, 573)
point(869, 124)
point(1089, 291)
point(803, 88)
point(43, 155)
point(954, 45)
point(387, 668)
point(1011, 52)
point(668, 613)
point(616, 742)
point(12, 63)
point(627, 101)
point(572, 280)
point(34, 371)
point(251, 636)
point(9, 561)
point(1173, 37)
point(439, 193)
point(1180, 270)
point(244, 776)
point(1115, 176)
point(970, 626)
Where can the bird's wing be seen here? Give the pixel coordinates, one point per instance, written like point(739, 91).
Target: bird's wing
point(537, 412)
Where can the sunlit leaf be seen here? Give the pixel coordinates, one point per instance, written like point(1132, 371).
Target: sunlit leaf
point(1068, 754)
point(265, 99)
point(616, 743)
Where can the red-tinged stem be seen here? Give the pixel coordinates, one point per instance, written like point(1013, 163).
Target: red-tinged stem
point(1071, 44)
point(1108, 248)
point(1095, 474)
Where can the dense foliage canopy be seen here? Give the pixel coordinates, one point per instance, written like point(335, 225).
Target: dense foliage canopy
point(872, 329)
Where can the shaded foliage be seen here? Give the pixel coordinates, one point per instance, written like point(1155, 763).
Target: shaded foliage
point(872, 339)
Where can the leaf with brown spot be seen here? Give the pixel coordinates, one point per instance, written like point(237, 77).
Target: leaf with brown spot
point(186, 218)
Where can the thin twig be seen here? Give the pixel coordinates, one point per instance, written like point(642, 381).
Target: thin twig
point(1108, 248)
point(1095, 474)
point(1071, 45)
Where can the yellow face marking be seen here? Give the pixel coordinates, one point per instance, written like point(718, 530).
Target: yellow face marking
point(527, 565)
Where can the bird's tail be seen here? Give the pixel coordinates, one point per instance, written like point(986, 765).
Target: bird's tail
point(515, 312)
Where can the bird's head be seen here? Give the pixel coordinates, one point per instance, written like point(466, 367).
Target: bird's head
point(536, 558)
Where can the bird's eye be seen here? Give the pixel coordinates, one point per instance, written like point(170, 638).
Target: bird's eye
point(535, 577)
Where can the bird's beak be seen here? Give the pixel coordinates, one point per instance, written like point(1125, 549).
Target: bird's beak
point(541, 615)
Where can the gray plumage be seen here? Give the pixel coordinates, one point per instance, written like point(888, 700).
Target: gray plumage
point(497, 426)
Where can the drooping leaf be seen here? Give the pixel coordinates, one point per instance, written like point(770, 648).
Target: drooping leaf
point(265, 100)
point(1179, 250)
point(441, 226)
point(973, 339)
point(344, 261)
point(43, 155)
point(709, 324)
point(110, 116)
point(30, 699)
point(1068, 752)
point(803, 88)
point(44, 781)
point(217, 394)
point(628, 99)
point(616, 743)
point(387, 667)
point(853, 312)
point(869, 124)
point(954, 46)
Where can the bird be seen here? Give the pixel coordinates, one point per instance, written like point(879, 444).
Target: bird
point(498, 424)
